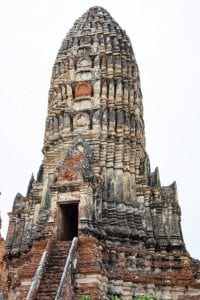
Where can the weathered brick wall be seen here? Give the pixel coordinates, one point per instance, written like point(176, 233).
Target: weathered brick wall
point(104, 270)
point(22, 270)
point(69, 288)
point(89, 272)
point(3, 268)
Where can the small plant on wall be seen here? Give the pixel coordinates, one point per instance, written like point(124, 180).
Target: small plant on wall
point(85, 298)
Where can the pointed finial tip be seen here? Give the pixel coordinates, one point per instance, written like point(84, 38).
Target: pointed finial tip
point(97, 9)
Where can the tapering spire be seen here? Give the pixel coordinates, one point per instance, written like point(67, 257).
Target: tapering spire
point(95, 106)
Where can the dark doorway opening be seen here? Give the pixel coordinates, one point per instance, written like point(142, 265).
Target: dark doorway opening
point(69, 221)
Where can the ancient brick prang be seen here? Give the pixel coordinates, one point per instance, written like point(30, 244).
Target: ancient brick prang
point(95, 93)
point(95, 182)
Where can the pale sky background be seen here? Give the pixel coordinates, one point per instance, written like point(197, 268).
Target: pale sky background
point(165, 35)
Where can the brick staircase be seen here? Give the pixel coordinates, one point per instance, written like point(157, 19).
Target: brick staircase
point(53, 271)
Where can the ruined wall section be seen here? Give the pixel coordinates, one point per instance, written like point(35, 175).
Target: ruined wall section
point(23, 269)
point(106, 270)
point(28, 218)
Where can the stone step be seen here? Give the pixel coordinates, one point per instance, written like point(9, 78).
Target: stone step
point(46, 297)
point(62, 248)
point(54, 269)
point(51, 275)
point(48, 287)
point(47, 291)
point(58, 258)
point(46, 281)
point(60, 251)
point(56, 263)
point(42, 294)
point(61, 244)
point(59, 254)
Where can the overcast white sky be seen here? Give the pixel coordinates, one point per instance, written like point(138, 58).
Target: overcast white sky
point(165, 35)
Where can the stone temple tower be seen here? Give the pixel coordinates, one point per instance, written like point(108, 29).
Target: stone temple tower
point(96, 221)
